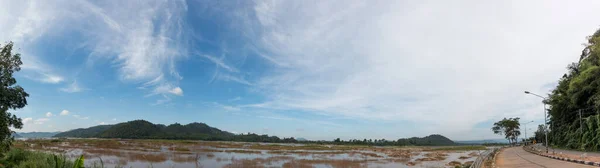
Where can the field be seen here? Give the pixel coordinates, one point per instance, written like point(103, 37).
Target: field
point(179, 153)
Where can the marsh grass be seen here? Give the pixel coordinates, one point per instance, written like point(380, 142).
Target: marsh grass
point(457, 148)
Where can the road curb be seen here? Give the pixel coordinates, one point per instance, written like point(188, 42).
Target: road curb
point(530, 150)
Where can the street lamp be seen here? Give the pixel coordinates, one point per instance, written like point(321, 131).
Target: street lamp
point(526, 138)
point(545, 118)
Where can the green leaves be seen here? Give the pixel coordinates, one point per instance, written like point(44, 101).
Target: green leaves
point(578, 96)
point(508, 127)
point(11, 96)
point(79, 163)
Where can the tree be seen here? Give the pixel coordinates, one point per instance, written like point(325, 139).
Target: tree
point(539, 134)
point(509, 128)
point(12, 96)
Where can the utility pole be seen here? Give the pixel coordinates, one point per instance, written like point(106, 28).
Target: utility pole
point(545, 117)
point(580, 123)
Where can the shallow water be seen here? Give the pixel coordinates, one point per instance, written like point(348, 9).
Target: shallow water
point(141, 154)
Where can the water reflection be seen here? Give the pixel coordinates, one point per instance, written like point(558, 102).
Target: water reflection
point(140, 153)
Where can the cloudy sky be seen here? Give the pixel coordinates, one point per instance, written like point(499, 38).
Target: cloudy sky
point(312, 69)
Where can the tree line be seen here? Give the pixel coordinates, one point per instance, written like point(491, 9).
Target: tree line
point(574, 105)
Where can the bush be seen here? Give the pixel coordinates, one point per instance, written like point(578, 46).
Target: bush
point(20, 158)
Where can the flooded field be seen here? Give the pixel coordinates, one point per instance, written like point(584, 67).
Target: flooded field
point(171, 153)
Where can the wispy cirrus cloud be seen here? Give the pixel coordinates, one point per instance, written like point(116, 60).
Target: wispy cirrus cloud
point(72, 88)
point(418, 61)
point(143, 39)
point(25, 23)
point(40, 121)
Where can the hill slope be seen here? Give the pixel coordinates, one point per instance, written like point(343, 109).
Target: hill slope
point(90, 132)
point(431, 140)
point(136, 129)
point(141, 129)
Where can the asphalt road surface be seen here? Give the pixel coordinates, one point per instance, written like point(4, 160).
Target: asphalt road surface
point(517, 157)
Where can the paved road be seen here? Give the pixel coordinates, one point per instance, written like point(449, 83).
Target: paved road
point(517, 157)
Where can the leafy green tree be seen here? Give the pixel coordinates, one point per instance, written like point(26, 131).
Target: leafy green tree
point(539, 134)
point(12, 96)
point(574, 104)
point(509, 128)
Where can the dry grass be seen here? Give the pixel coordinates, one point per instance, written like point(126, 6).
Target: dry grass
point(184, 159)
point(207, 150)
point(454, 163)
point(433, 156)
point(243, 151)
point(304, 163)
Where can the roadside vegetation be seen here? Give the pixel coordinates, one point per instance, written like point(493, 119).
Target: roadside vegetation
point(574, 104)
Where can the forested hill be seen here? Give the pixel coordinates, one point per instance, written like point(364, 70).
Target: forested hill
point(141, 129)
point(574, 105)
point(84, 132)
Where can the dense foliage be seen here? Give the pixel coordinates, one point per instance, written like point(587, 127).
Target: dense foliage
point(141, 129)
point(431, 140)
point(12, 96)
point(539, 135)
point(85, 132)
point(574, 104)
point(509, 128)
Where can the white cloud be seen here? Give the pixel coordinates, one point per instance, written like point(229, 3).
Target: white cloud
point(145, 45)
point(40, 121)
point(102, 123)
point(49, 78)
point(64, 112)
point(220, 63)
point(442, 63)
point(235, 99)
point(144, 41)
point(231, 78)
point(80, 117)
point(49, 114)
point(27, 22)
point(72, 88)
point(222, 106)
point(176, 91)
point(114, 119)
point(27, 120)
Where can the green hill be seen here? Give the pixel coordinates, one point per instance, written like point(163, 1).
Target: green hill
point(141, 129)
point(90, 132)
point(431, 140)
point(137, 129)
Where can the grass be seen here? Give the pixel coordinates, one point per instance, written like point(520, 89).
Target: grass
point(457, 148)
point(23, 158)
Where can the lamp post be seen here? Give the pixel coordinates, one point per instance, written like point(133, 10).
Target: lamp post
point(545, 118)
point(526, 137)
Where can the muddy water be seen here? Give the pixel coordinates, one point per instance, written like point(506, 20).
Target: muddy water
point(159, 156)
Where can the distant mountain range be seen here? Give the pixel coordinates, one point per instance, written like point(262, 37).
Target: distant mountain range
point(141, 129)
point(431, 140)
point(34, 134)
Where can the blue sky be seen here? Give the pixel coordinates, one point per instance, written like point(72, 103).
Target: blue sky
point(318, 70)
